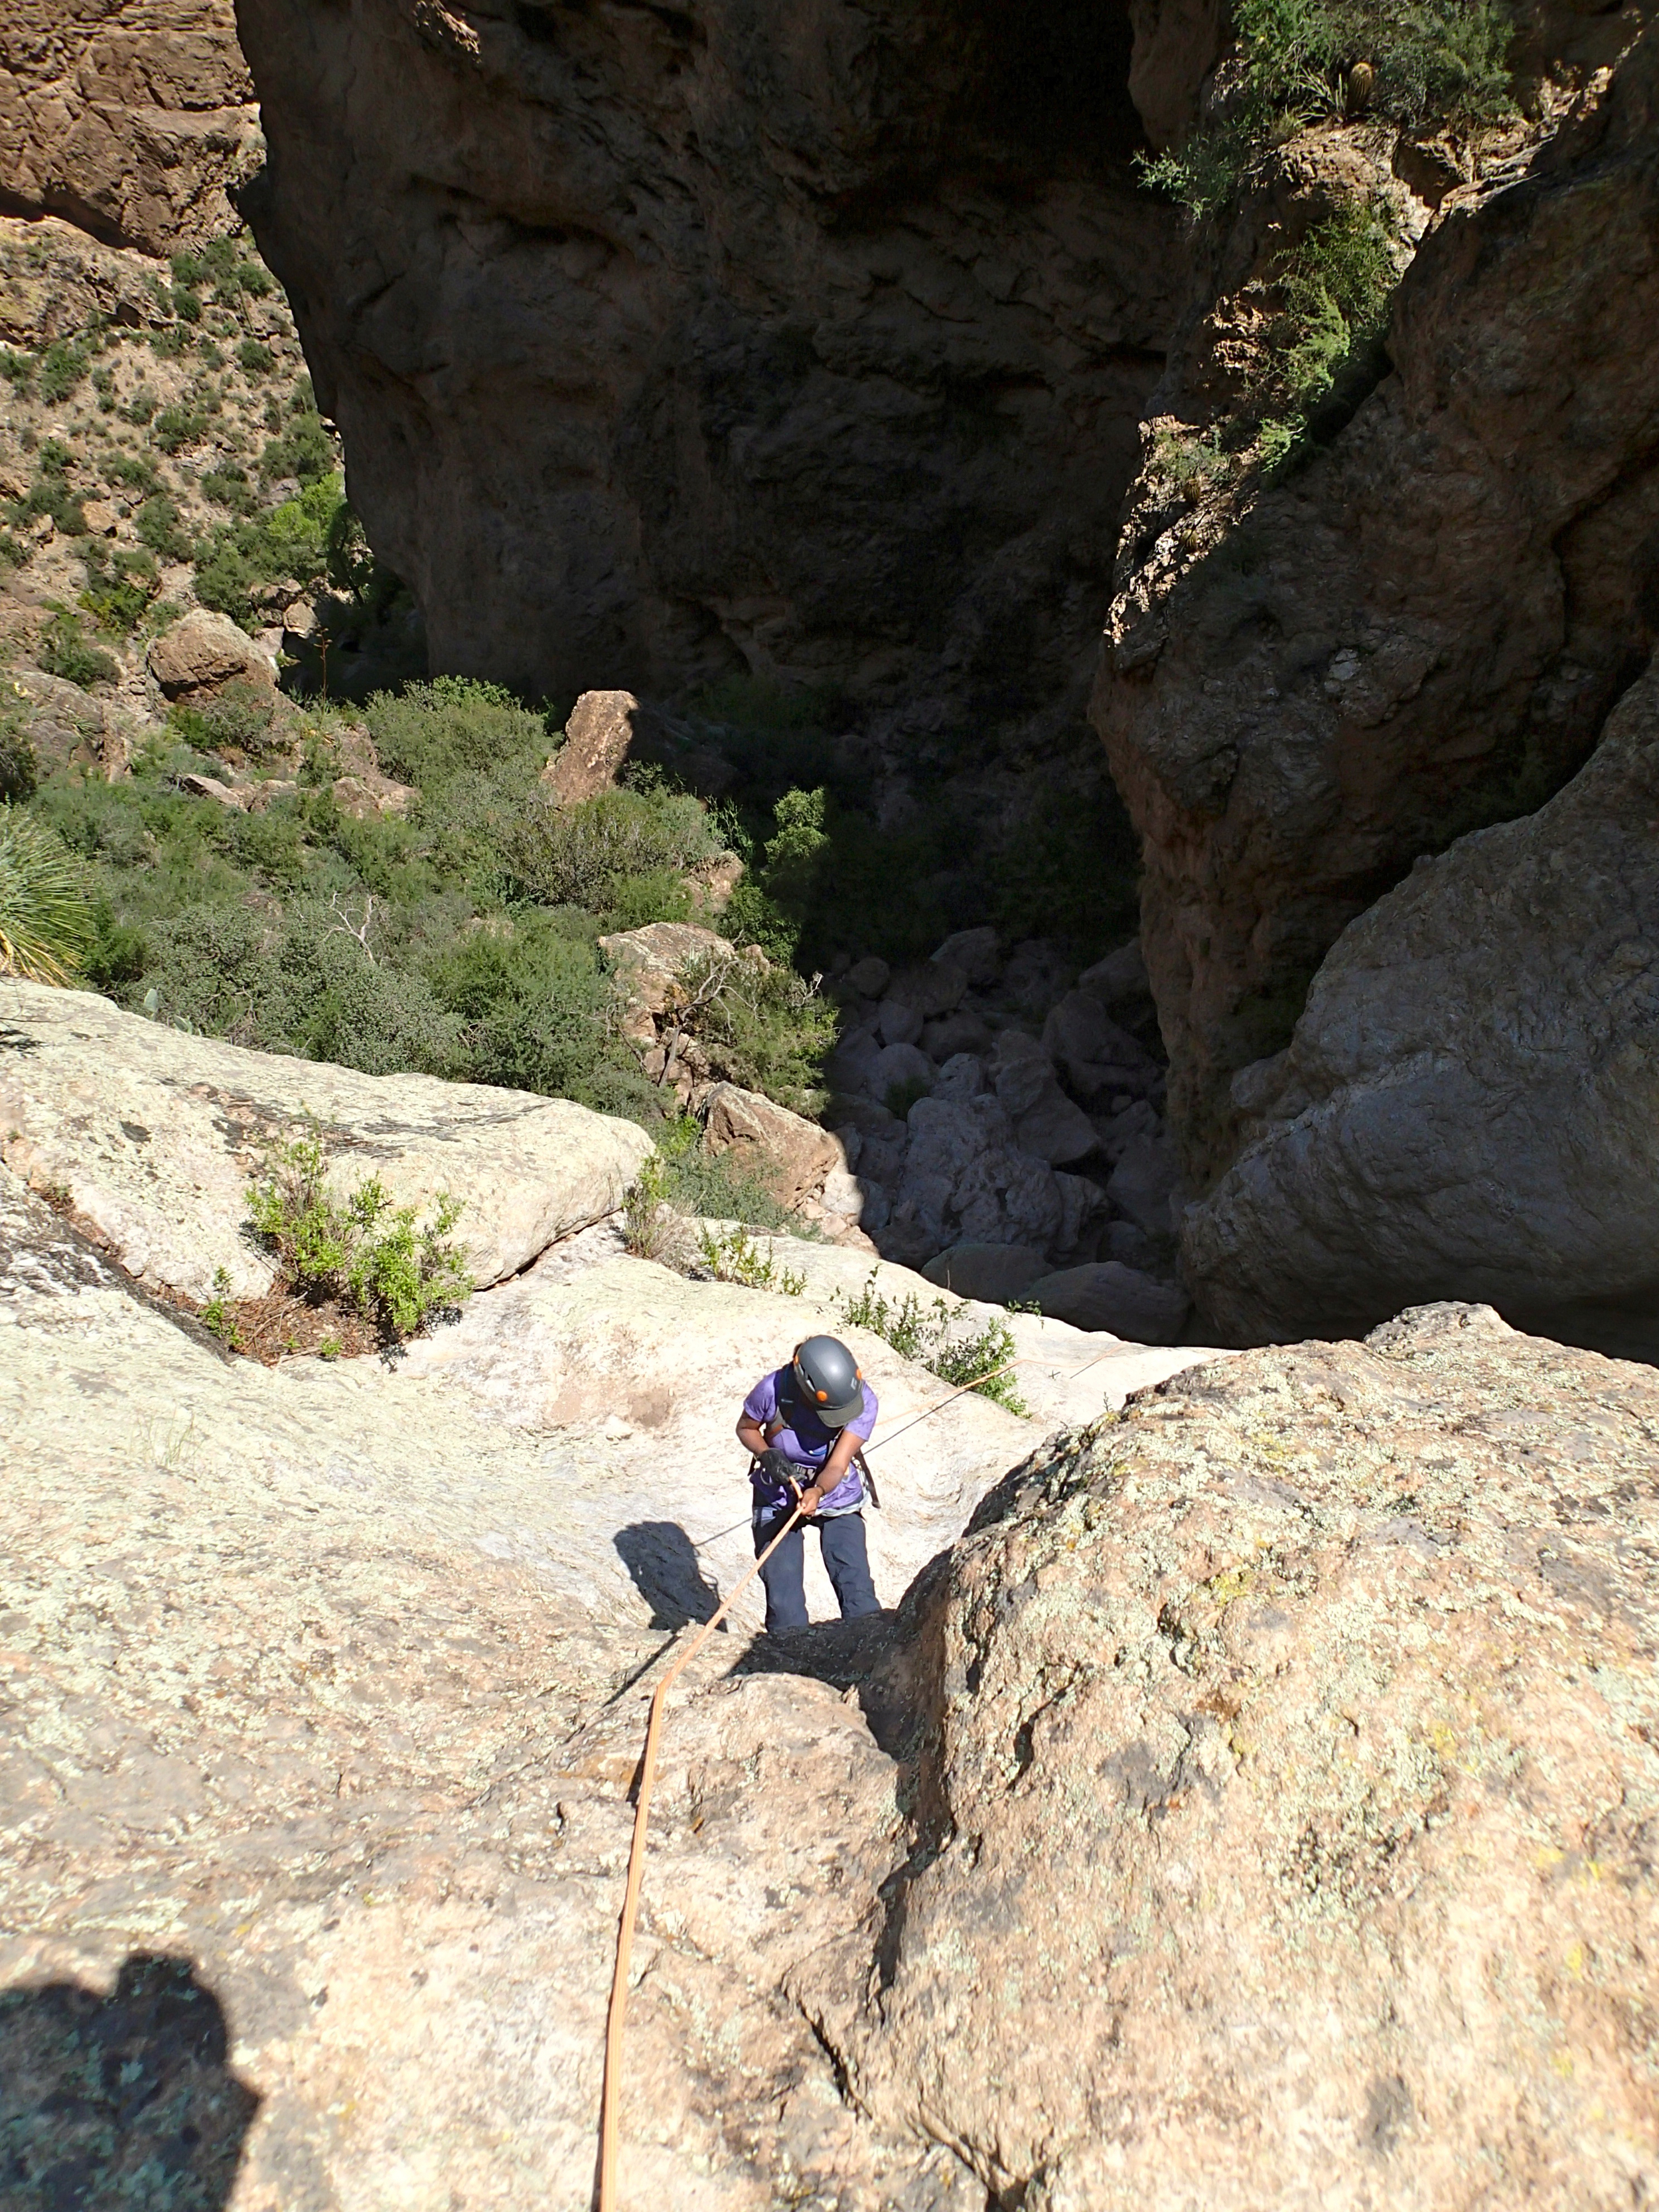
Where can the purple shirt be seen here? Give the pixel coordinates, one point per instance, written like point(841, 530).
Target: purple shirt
point(805, 1439)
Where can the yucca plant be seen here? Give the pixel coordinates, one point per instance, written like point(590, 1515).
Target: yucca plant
point(45, 901)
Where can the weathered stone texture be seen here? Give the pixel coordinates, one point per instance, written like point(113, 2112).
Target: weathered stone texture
point(665, 346)
point(1469, 1105)
point(1285, 1830)
point(130, 118)
point(152, 1137)
point(1426, 626)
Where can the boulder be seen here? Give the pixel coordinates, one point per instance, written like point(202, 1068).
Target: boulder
point(1098, 1058)
point(962, 1031)
point(896, 1023)
point(962, 1076)
point(1046, 1121)
point(712, 883)
point(868, 978)
point(373, 797)
point(1329, 1869)
point(210, 787)
point(201, 653)
point(1036, 974)
point(1109, 1296)
point(606, 731)
point(1120, 978)
point(649, 964)
point(334, 1905)
point(151, 1137)
point(897, 1064)
point(934, 987)
point(992, 1273)
point(788, 1153)
point(1468, 1108)
point(1145, 1181)
point(976, 953)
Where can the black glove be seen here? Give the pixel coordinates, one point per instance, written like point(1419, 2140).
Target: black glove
point(778, 1472)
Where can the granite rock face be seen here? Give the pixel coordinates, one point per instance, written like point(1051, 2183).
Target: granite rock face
point(151, 1137)
point(1282, 1745)
point(808, 342)
point(1469, 1103)
point(132, 118)
point(1283, 1834)
point(1423, 628)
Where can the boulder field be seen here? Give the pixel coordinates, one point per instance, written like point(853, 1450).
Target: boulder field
point(1253, 1801)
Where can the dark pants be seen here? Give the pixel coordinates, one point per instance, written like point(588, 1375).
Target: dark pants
point(845, 1561)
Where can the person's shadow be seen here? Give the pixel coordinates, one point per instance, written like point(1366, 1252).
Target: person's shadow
point(123, 2099)
point(667, 1573)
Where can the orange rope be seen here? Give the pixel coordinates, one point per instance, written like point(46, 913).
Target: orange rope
point(616, 2020)
point(611, 2103)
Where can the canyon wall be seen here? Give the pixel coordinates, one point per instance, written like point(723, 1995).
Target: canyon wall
point(1310, 682)
point(669, 344)
point(132, 118)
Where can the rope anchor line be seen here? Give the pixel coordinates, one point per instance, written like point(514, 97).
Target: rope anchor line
point(617, 2015)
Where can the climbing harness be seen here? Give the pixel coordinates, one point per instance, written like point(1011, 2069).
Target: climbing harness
point(615, 2018)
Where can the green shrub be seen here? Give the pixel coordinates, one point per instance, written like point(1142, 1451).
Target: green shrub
point(1440, 60)
point(983, 1362)
point(18, 371)
point(585, 855)
point(19, 770)
point(532, 1004)
point(731, 1256)
point(240, 718)
point(178, 427)
point(1336, 290)
point(287, 541)
point(902, 1096)
point(713, 1186)
point(171, 343)
point(62, 367)
point(49, 493)
point(431, 735)
point(66, 650)
point(299, 981)
point(161, 526)
point(228, 486)
point(303, 451)
point(140, 409)
point(120, 584)
point(136, 471)
point(652, 1230)
point(361, 1249)
point(254, 279)
point(256, 357)
point(46, 925)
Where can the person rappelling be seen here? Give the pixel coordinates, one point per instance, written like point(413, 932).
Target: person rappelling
point(805, 1427)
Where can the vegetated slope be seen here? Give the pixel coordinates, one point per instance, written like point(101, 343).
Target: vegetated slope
point(161, 447)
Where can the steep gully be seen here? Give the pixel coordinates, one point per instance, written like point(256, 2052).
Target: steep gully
point(834, 347)
point(667, 344)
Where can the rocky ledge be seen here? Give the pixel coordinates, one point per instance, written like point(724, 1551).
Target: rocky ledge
point(1263, 1787)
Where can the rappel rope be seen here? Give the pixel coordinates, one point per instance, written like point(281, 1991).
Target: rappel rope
point(615, 2018)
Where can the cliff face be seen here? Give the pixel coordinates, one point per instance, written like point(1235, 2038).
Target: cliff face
point(1310, 682)
point(130, 118)
point(669, 344)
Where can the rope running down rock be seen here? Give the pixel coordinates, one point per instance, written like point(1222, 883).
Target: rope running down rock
point(615, 2018)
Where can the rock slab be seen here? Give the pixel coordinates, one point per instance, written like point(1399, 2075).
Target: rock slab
point(1468, 1105)
point(1286, 1794)
point(150, 1138)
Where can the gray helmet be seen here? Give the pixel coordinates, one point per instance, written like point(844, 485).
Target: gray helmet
point(827, 1376)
